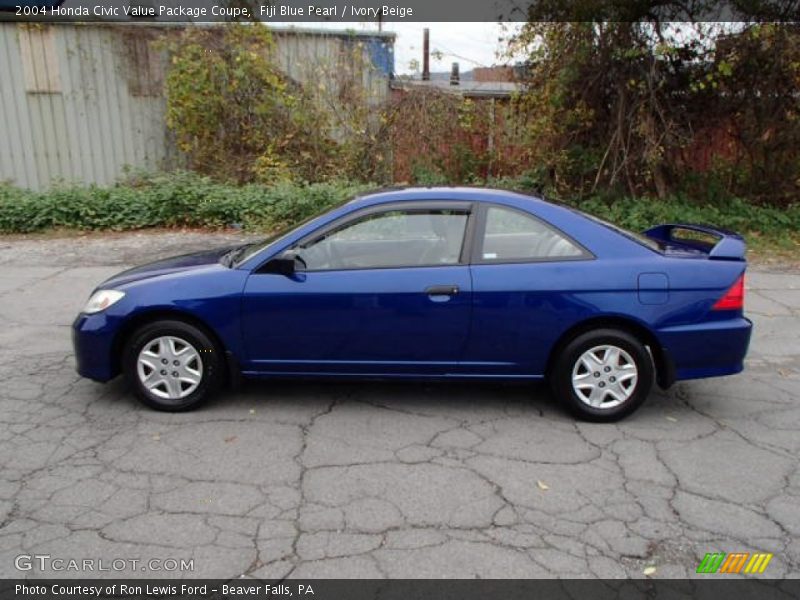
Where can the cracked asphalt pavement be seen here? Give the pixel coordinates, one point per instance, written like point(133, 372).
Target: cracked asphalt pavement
point(304, 479)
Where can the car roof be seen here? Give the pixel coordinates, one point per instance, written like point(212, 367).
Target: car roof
point(464, 193)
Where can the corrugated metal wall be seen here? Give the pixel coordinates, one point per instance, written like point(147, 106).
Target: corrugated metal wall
point(86, 126)
point(336, 59)
point(83, 102)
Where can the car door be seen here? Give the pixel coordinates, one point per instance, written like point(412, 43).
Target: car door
point(524, 273)
point(383, 291)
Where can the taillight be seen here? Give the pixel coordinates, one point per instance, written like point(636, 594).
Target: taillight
point(733, 298)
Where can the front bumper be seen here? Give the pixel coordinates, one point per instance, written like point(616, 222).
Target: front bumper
point(708, 349)
point(93, 342)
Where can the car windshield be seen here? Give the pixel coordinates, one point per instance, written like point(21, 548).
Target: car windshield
point(636, 237)
point(243, 253)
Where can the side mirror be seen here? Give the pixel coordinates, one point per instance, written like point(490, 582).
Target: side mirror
point(283, 265)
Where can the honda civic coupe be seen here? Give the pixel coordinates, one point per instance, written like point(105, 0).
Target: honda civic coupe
point(431, 283)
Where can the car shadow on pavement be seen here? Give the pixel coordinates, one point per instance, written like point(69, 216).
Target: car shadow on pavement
point(532, 398)
point(454, 399)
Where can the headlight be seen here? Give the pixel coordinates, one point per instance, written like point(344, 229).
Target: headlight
point(101, 300)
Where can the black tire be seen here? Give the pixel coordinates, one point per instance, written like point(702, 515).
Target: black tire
point(209, 364)
point(638, 388)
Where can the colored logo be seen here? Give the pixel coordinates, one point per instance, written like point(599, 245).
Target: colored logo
point(735, 562)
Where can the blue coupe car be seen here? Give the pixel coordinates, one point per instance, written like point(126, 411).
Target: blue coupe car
point(431, 283)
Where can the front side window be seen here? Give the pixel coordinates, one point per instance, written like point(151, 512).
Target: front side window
point(396, 238)
point(511, 235)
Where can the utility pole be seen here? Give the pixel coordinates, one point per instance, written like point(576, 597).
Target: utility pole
point(426, 54)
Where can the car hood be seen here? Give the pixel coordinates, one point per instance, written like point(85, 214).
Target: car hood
point(184, 262)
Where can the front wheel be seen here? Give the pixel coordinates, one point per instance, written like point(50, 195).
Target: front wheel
point(172, 366)
point(603, 375)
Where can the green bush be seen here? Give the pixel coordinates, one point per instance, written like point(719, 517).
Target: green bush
point(735, 214)
point(167, 200)
point(185, 199)
point(637, 214)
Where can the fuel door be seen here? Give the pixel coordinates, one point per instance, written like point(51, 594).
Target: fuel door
point(653, 288)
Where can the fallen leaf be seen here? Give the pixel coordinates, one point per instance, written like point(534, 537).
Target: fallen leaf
point(157, 437)
point(671, 419)
point(649, 570)
point(230, 439)
point(784, 372)
point(252, 411)
point(542, 485)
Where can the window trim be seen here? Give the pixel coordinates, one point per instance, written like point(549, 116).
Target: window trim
point(480, 232)
point(414, 206)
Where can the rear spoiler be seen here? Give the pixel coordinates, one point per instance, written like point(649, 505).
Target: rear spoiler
point(729, 245)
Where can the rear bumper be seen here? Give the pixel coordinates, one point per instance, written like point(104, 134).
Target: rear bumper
point(92, 340)
point(707, 349)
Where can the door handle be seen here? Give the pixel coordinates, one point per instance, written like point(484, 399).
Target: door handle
point(442, 290)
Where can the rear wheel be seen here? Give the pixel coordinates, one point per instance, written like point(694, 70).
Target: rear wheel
point(172, 366)
point(603, 375)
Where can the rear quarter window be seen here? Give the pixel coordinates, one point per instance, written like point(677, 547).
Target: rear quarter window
point(511, 235)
